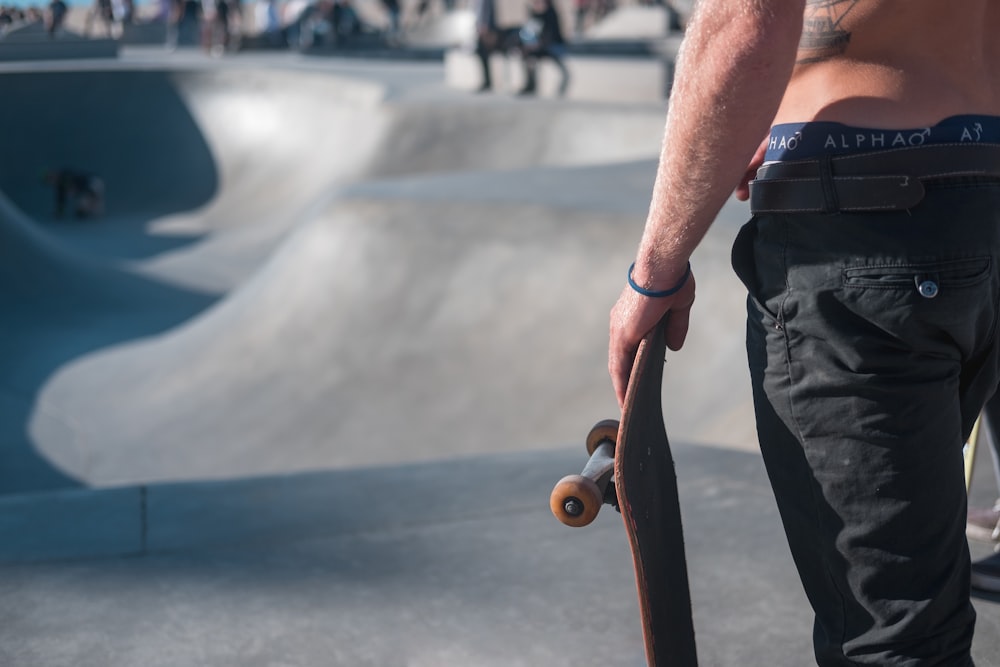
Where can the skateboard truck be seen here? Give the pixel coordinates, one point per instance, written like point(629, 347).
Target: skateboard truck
point(577, 499)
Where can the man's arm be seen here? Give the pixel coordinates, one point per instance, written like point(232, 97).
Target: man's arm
point(734, 65)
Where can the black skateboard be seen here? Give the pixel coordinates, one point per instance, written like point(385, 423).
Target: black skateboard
point(631, 467)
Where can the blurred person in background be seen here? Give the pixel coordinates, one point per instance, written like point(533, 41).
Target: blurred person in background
point(84, 190)
point(491, 38)
point(55, 17)
point(487, 37)
point(104, 12)
point(542, 37)
point(189, 22)
point(6, 19)
point(393, 11)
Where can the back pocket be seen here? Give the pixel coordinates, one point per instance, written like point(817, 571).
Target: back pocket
point(943, 275)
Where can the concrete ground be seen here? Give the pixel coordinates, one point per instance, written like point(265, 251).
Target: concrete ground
point(300, 396)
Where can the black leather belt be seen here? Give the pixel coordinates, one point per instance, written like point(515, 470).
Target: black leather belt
point(888, 180)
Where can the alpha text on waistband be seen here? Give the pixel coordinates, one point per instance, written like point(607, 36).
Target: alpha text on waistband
point(802, 141)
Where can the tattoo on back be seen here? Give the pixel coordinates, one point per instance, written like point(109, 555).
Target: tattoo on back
point(822, 33)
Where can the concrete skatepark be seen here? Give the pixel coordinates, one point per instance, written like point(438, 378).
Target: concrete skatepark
point(299, 398)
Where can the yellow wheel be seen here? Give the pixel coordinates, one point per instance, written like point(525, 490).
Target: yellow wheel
point(603, 430)
point(575, 500)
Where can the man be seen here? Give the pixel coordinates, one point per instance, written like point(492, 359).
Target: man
point(56, 17)
point(84, 189)
point(103, 11)
point(541, 38)
point(487, 38)
point(873, 287)
point(491, 38)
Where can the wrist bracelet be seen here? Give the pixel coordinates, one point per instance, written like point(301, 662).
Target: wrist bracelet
point(661, 293)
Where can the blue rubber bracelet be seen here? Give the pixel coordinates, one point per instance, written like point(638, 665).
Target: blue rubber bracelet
point(661, 293)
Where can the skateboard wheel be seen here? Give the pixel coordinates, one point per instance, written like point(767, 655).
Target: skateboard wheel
point(575, 500)
point(606, 429)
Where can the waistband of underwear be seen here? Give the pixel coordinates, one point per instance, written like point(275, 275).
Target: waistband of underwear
point(803, 141)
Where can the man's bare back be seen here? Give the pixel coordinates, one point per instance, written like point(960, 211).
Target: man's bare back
point(895, 63)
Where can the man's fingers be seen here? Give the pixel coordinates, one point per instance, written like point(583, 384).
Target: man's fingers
point(677, 328)
point(625, 334)
point(631, 319)
point(680, 315)
point(620, 367)
point(743, 189)
point(621, 356)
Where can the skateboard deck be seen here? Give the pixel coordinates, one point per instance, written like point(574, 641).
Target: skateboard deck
point(631, 467)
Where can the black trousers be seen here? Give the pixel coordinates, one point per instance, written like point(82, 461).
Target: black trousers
point(872, 345)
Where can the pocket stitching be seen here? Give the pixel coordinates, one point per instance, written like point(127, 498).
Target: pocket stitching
point(907, 272)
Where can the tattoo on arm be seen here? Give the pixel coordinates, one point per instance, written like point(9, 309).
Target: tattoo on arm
point(822, 34)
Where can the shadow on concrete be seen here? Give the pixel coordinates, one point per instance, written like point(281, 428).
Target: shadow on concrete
point(986, 596)
point(60, 301)
point(451, 562)
point(59, 307)
point(449, 559)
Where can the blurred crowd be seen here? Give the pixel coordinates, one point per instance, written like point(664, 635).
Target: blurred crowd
point(13, 17)
point(219, 26)
point(111, 15)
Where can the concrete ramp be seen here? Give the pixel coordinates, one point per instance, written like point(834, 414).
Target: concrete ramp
point(301, 271)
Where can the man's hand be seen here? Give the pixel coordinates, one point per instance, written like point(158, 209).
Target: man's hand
point(632, 317)
point(743, 189)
